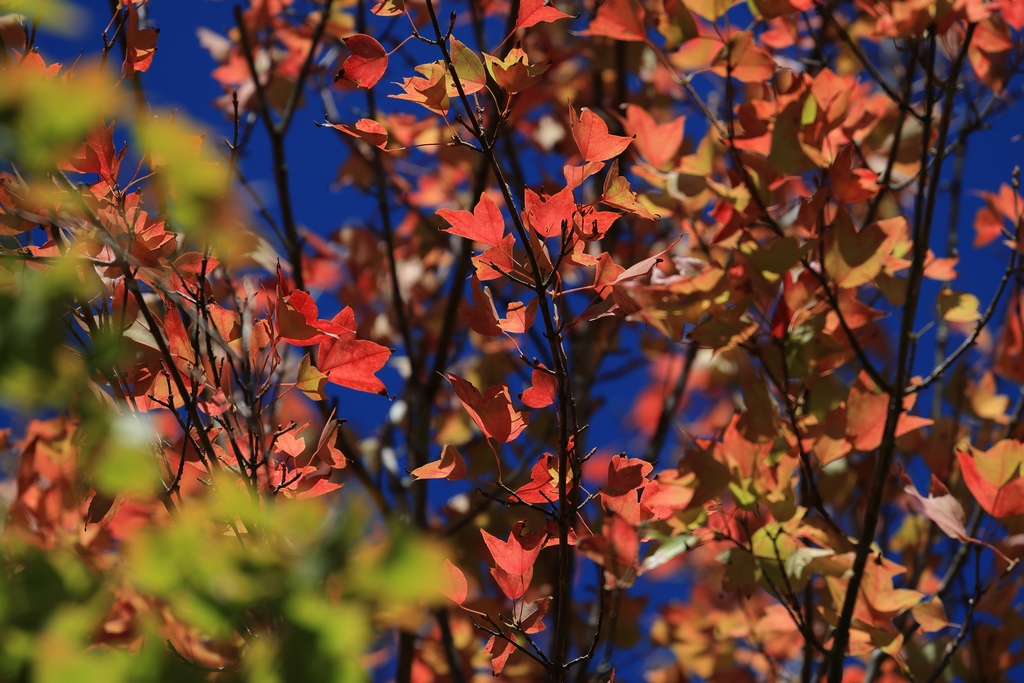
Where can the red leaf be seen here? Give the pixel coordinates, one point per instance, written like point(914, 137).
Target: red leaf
point(496, 261)
point(353, 362)
point(547, 215)
point(451, 466)
point(514, 586)
point(367, 63)
point(518, 554)
point(499, 651)
point(533, 12)
point(625, 475)
point(988, 226)
point(492, 411)
point(297, 321)
point(543, 486)
point(97, 156)
point(620, 20)
point(1013, 13)
point(592, 137)
point(321, 487)
point(367, 130)
point(453, 583)
point(325, 447)
point(852, 185)
point(543, 391)
point(141, 45)
point(483, 317)
point(484, 225)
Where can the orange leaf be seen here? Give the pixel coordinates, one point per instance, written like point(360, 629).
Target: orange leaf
point(453, 583)
point(1000, 497)
point(451, 466)
point(656, 143)
point(321, 487)
point(592, 137)
point(619, 20)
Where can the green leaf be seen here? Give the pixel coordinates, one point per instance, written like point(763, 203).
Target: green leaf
point(468, 67)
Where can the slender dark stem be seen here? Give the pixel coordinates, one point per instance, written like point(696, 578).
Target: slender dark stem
point(922, 229)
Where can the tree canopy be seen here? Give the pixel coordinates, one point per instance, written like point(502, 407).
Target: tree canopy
point(655, 341)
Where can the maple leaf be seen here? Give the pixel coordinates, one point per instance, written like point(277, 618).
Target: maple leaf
point(140, 45)
point(483, 317)
point(367, 63)
point(352, 362)
point(500, 650)
point(432, 91)
point(852, 185)
point(450, 466)
point(518, 554)
point(514, 73)
point(492, 411)
point(453, 583)
point(543, 389)
point(618, 194)
point(321, 487)
point(548, 215)
point(389, 8)
point(469, 69)
point(291, 443)
point(97, 156)
point(619, 20)
point(519, 317)
point(743, 61)
point(866, 411)
point(533, 12)
point(326, 449)
point(575, 175)
point(530, 615)
point(496, 261)
point(484, 225)
point(592, 137)
point(993, 477)
point(656, 143)
point(297, 319)
point(367, 130)
point(940, 507)
point(310, 381)
point(543, 486)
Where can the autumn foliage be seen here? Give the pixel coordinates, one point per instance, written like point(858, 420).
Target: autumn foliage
point(643, 351)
